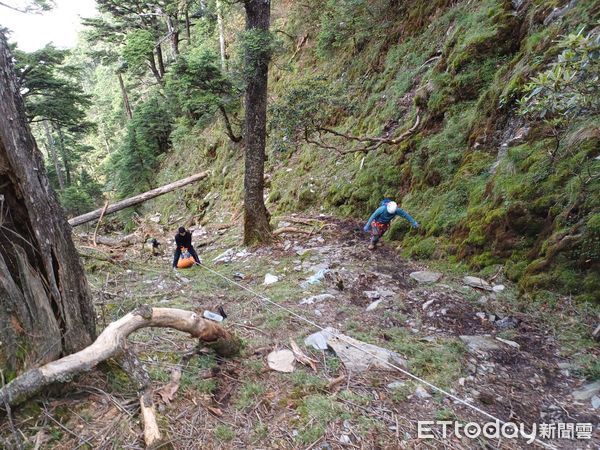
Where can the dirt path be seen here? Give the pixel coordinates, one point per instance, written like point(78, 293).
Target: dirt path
point(240, 403)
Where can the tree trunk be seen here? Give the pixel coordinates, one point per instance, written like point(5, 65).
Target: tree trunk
point(228, 128)
point(256, 216)
point(53, 155)
point(126, 103)
point(221, 35)
point(161, 61)
point(152, 65)
point(188, 25)
point(64, 154)
point(45, 303)
point(131, 201)
point(173, 28)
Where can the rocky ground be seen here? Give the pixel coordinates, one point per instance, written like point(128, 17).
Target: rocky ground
point(478, 343)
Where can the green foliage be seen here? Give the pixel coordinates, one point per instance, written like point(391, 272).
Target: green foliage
point(305, 106)
point(139, 46)
point(439, 362)
point(571, 86)
point(248, 394)
point(132, 167)
point(76, 200)
point(197, 86)
point(344, 22)
point(224, 433)
point(258, 48)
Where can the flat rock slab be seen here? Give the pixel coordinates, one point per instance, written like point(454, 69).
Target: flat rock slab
point(587, 391)
point(281, 361)
point(477, 283)
point(356, 355)
point(480, 343)
point(425, 276)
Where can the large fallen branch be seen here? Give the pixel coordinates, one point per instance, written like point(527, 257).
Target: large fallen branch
point(374, 142)
point(131, 201)
point(370, 143)
point(111, 342)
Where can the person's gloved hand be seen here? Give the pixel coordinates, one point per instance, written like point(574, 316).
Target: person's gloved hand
point(416, 225)
point(366, 229)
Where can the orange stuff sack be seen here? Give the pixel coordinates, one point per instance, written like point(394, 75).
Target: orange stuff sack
point(185, 260)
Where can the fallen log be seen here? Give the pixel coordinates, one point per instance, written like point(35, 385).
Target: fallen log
point(111, 342)
point(131, 201)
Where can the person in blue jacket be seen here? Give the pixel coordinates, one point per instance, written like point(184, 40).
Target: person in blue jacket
point(380, 220)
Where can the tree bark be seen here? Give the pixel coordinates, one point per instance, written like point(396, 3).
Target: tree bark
point(126, 103)
point(45, 303)
point(131, 201)
point(256, 216)
point(54, 156)
point(153, 69)
point(188, 25)
point(173, 29)
point(111, 342)
point(64, 153)
point(161, 61)
point(221, 35)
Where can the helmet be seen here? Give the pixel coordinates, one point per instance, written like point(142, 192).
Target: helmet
point(391, 207)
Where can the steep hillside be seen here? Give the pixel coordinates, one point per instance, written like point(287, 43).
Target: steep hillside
point(489, 181)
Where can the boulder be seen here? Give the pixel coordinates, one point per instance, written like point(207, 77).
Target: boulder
point(477, 283)
point(425, 276)
point(422, 393)
point(480, 343)
point(587, 391)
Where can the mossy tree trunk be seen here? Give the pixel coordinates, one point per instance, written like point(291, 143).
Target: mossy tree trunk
point(256, 61)
point(45, 303)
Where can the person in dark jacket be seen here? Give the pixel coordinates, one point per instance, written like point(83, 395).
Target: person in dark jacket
point(380, 220)
point(183, 239)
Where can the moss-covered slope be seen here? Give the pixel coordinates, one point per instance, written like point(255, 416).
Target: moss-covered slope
point(488, 185)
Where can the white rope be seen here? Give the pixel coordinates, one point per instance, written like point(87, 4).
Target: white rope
point(385, 361)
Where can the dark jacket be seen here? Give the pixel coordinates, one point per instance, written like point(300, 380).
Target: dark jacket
point(184, 241)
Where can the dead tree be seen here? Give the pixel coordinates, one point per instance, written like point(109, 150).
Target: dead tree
point(45, 303)
point(112, 342)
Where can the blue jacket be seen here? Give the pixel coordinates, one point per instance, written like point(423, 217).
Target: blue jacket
point(383, 216)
